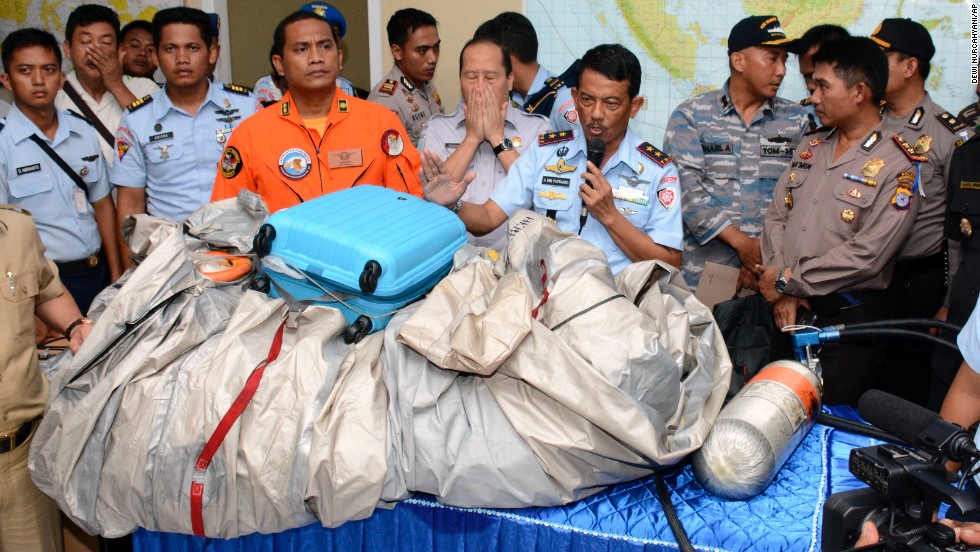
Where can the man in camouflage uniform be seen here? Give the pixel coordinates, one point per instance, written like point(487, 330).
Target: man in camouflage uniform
point(841, 214)
point(730, 147)
point(918, 284)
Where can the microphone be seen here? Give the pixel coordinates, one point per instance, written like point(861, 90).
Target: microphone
point(914, 424)
point(595, 151)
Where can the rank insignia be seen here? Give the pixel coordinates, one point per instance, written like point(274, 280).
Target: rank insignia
point(788, 199)
point(231, 163)
point(854, 192)
point(284, 109)
point(950, 122)
point(666, 196)
point(139, 103)
point(902, 199)
point(516, 140)
point(909, 150)
point(792, 177)
point(966, 228)
point(872, 141)
point(560, 167)
point(922, 144)
point(806, 154)
point(847, 216)
point(237, 89)
point(342, 106)
point(916, 116)
point(815, 142)
point(551, 194)
point(654, 154)
point(407, 84)
point(872, 167)
point(392, 143)
point(555, 137)
point(388, 87)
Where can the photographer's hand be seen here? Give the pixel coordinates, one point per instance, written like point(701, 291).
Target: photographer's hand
point(869, 535)
point(967, 532)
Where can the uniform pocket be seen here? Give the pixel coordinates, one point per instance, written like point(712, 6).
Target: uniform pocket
point(18, 294)
point(29, 185)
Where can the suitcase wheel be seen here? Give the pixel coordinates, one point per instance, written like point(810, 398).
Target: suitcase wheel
point(356, 331)
point(369, 277)
point(261, 284)
point(262, 243)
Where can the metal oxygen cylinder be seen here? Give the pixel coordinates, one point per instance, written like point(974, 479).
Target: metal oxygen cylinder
point(757, 431)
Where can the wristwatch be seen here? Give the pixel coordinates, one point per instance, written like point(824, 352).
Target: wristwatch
point(75, 324)
point(458, 206)
point(504, 145)
point(780, 284)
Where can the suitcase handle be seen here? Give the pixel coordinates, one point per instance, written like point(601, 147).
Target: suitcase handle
point(369, 277)
point(262, 243)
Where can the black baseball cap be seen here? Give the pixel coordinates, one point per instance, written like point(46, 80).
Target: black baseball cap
point(757, 30)
point(905, 36)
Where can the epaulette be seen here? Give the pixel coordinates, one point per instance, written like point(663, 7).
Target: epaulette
point(806, 101)
point(555, 137)
point(909, 151)
point(79, 115)
point(139, 103)
point(655, 155)
point(407, 84)
point(816, 130)
point(917, 115)
point(952, 123)
point(388, 87)
point(237, 89)
point(16, 209)
point(872, 141)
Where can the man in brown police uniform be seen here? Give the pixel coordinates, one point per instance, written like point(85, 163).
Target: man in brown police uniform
point(918, 284)
point(29, 520)
point(841, 213)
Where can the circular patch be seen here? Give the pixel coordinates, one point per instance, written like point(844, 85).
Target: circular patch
point(902, 200)
point(392, 143)
point(294, 163)
point(231, 163)
point(571, 116)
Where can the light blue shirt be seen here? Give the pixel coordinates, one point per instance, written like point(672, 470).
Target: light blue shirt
point(173, 154)
point(28, 177)
point(969, 340)
point(563, 115)
point(547, 178)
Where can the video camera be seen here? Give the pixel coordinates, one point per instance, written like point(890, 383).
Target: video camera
point(905, 487)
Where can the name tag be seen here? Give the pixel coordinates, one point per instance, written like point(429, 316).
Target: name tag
point(964, 184)
point(776, 147)
point(28, 169)
point(344, 158)
point(802, 165)
point(718, 148)
point(452, 145)
point(553, 181)
point(164, 136)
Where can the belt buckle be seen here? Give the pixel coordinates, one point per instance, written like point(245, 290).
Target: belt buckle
point(93, 261)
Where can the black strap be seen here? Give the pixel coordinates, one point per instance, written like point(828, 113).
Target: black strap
point(89, 114)
point(542, 101)
point(676, 527)
point(60, 162)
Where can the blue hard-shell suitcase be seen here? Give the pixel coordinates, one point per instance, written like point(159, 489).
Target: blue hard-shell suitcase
point(366, 250)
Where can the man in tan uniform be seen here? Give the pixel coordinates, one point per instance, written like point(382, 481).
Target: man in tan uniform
point(841, 212)
point(29, 520)
point(407, 89)
point(919, 282)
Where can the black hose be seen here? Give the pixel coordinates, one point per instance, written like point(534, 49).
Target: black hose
point(858, 428)
point(906, 322)
point(663, 494)
point(851, 335)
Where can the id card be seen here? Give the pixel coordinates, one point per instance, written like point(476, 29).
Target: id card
point(81, 203)
point(344, 158)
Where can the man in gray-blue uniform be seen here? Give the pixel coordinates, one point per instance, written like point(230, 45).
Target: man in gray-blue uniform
point(74, 212)
point(637, 220)
point(731, 146)
point(918, 285)
point(536, 90)
point(169, 144)
point(487, 134)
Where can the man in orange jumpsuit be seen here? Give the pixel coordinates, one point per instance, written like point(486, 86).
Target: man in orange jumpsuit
point(317, 139)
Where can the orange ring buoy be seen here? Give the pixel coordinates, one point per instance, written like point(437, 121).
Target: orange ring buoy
point(235, 267)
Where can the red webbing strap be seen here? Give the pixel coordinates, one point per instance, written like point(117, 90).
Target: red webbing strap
point(220, 432)
point(544, 284)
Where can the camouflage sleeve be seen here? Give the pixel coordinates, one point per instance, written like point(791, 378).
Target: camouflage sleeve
point(702, 212)
point(774, 226)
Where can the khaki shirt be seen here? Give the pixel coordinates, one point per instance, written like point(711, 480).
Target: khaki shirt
point(413, 105)
point(838, 234)
point(936, 133)
point(27, 279)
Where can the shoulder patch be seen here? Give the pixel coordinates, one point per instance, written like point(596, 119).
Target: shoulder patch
point(388, 87)
point(909, 151)
point(816, 130)
point(655, 155)
point(237, 88)
point(555, 137)
point(139, 103)
point(79, 115)
point(952, 123)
